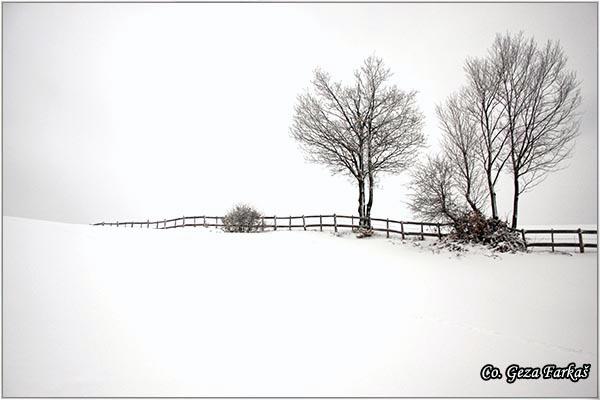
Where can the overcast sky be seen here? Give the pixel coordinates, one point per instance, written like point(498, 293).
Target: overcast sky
point(121, 111)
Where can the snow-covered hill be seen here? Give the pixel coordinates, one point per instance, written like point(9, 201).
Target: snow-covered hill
point(98, 311)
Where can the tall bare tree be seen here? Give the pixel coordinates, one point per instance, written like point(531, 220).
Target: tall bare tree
point(363, 129)
point(540, 97)
point(482, 104)
point(460, 145)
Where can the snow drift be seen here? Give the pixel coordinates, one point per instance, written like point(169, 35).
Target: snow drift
point(93, 311)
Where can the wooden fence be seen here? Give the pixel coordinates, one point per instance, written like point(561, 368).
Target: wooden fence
point(389, 226)
point(562, 234)
point(304, 222)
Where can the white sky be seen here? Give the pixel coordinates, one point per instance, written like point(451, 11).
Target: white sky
point(135, 111)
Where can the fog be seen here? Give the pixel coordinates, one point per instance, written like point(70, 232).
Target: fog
point(134, 111)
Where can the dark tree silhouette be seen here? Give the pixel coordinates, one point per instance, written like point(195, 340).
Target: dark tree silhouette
point(460, 146)
point(484, 108)
point(540, 99)
point(363, 129)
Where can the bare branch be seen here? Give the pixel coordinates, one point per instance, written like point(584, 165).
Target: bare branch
point(540, 97)
point(364, 129)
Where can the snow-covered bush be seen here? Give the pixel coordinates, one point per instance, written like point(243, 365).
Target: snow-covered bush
point(242, 218)
point(363, 232)
point(474, 227)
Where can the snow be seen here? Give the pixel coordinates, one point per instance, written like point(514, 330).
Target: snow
point(99, 311)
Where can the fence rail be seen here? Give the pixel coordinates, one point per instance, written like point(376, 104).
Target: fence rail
point(389, 226)
point(580, 243)
point(335, 221)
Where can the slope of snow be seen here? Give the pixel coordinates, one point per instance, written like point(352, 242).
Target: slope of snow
point(98, 311)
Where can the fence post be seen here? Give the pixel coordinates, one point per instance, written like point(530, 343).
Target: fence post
point(147, 223)
point(303, 223)
point(439, 231)
point(132, 224)
point(165, 224)
point(290, 223)
point(275, 222)
point(321, 223)
point(387, 227)
point(552, 238)
point(117, 224)
point(194, 222)
point(581, 247)
point(402, 229)
point(216, 222)
point(156, 224)
point(204, 220)
point(352, 221)
point(183, 221)
point(422, 237)
point(523, 236)
point(335, 222)
point(262, 223)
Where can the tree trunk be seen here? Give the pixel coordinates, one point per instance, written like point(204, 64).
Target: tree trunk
point(472, 204)
point(515, 203)
point(492, 196)
point(370, 176)
point(361, 202)
point(468, 193)
point(369, 203)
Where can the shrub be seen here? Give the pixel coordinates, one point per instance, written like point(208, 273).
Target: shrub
point(242, 218)
point(363, 232)
point(474, 227)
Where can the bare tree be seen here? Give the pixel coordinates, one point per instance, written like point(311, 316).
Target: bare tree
point(540, 97)
point(434, 192)
point(481, 102)
point(362, 130)
point(460, 144)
